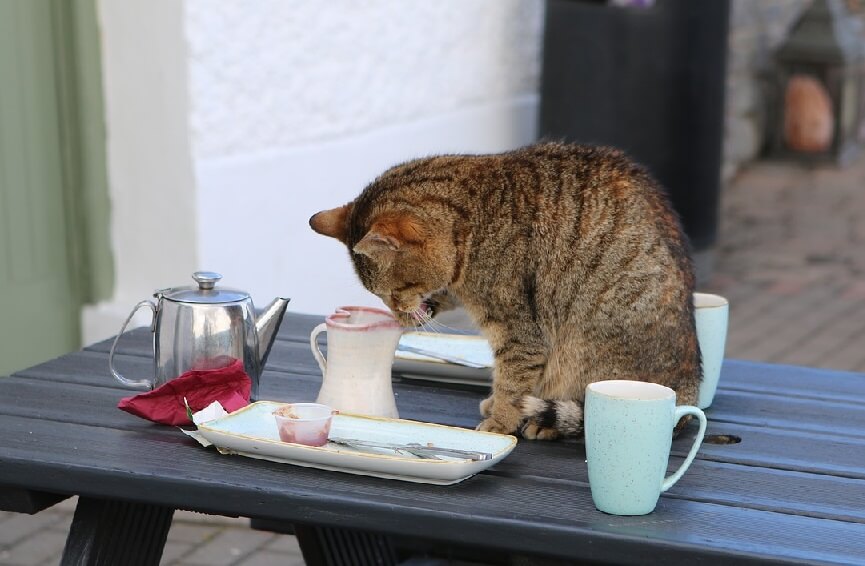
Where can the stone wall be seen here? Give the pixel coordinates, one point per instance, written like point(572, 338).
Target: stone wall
point(756, 30)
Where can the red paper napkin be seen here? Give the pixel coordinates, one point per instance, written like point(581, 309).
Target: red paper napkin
point(229, 385)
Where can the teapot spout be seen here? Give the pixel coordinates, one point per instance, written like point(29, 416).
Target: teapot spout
point(266, 325)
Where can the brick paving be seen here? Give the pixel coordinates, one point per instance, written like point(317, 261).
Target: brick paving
point(790, 258)
point(194, 540)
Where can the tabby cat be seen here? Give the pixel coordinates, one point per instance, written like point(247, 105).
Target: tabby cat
point(568, 257)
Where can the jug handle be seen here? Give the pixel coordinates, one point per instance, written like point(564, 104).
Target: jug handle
point(125, 381)
point(319, 357)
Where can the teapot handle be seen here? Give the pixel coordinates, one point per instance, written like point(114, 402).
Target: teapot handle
point(137, 383)
point(313, 345)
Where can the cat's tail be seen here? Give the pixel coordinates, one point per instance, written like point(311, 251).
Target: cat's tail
point(548, 420)
point(542, 416)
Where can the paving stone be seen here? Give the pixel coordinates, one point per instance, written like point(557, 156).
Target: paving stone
point(849, 349)
point(284, 543)
point(19, 526)
point(67, 505)
point(763, 328)
point(819, 351)
point(745, 309)
point(228, 547)
point(192, 533)
point(804, 336)
point(792, 319)
point(35, 549)
point(265, 558)
point(63, 523)
point(174, 551)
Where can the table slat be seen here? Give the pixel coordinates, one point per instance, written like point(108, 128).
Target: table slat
point(549, 514)
point(562, 461)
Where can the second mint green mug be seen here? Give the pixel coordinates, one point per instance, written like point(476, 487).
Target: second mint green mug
point(711, 313)
point(629, 432)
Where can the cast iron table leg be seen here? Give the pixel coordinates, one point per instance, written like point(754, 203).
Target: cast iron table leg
point(109, 533)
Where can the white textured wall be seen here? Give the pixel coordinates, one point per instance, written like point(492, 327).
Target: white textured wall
point(275, 73)
point(297, 104)
point(150, 168)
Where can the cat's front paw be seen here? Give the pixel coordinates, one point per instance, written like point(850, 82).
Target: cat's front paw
point(494, 425)
point(487, 407)
point(532, 431)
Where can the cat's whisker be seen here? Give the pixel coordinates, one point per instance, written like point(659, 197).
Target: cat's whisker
point(436, 325)
point(429, 323)
point(440, 326)
point(433, 325)
point(419, 319)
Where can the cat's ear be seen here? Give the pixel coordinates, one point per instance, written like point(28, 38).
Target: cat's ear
point(374, 243)
point(389, 235)
point(333, 222)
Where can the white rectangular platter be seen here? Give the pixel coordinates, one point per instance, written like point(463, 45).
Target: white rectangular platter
point(251, 431)
point(466, 346)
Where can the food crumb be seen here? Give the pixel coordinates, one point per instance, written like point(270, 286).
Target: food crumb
point(287, 412)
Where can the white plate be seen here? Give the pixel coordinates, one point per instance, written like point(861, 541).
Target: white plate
point(251, 431)
point(466, 346)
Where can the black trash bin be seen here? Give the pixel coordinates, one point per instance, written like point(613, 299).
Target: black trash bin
point(650, 81)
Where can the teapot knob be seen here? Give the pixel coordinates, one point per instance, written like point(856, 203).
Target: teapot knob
point(206, 279)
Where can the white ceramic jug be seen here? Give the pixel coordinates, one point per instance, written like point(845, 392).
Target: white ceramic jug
point(356, 376)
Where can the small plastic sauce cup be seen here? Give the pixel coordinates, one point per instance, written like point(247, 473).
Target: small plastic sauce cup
point(304, 423)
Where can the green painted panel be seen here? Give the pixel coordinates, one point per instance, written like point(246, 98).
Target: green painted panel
point(83, 127)
point(39, 297)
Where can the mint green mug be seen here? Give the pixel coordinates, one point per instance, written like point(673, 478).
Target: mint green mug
point(711, 313)
point(629, 432)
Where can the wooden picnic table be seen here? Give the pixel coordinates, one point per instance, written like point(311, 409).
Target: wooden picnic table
point(793, 490)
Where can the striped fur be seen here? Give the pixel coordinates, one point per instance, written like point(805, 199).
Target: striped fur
point(568, 257)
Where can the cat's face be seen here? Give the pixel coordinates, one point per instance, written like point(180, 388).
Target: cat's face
point(404, 261)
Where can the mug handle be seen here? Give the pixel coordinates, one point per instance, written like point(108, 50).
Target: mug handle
point(681, 411)
point(313, 345)
point(138, 383)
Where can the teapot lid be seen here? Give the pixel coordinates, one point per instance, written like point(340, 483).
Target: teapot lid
point(205, 292)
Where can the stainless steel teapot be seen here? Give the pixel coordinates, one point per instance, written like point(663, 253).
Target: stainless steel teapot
point(205, 327)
